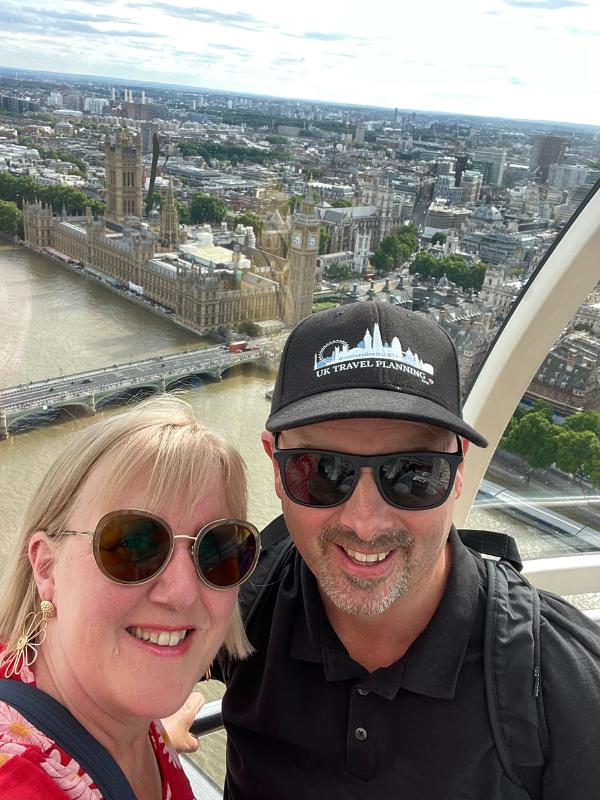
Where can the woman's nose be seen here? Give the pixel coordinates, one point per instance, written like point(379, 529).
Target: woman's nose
point(178, 584)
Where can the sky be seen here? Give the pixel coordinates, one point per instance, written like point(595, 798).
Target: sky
point(529, 59)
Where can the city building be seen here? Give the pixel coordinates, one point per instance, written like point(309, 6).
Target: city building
point(124, 177)
point(299, 275)
point(567, 176)
point(442, 218)
point(545, 151)
point(491, 162)
point(570, 377)
point(356, 228)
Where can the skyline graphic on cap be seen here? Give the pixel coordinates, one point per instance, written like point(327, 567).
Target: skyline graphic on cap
point(371, 346)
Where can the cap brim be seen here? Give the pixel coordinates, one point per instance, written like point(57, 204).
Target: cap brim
point(351, 403)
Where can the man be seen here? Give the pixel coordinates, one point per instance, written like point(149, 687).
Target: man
point(368, 677)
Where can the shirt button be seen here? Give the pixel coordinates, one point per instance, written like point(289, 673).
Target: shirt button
point(362, 691)
point(360, 734)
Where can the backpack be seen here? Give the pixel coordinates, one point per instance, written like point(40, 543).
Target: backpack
point(511, 645)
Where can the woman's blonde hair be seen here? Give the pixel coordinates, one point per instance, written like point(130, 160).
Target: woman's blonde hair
point(159, 438)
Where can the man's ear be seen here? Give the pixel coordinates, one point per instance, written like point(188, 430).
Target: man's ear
point(42, 556)
point(458, 483)
point(268, 443)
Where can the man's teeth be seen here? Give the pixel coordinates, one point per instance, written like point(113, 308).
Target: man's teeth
point(367, 558)
point(164, 638)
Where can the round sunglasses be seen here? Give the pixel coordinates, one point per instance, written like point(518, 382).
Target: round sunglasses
point(132, 547)
point(325, 479)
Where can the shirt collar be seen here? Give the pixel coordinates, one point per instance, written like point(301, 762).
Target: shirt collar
point(431, 665)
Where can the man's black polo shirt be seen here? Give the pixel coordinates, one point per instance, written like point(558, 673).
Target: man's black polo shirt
point(306, 721)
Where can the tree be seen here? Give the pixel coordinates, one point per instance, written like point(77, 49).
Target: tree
point(324, 240)
point(11, 219)
point(207, 209)
point(583, 421)
point(423, 263)
point(577, 452)
point(533, 437)
point(455, 268)
point(248, 218)
point(543, 408)
point(594, 474)
point(249, 327)
point(183, 213)
point(339, 271)
point(393, 251)
point(382, 262)
point(20, 188)
point(439, 238)
point(341, 202)
point(232, 152)
point(294, 200)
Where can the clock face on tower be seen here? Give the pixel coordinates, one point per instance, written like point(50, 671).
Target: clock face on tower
point(296, 239)
point(312, 241)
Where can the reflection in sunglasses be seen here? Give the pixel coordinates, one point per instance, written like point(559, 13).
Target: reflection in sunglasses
point(133, 547)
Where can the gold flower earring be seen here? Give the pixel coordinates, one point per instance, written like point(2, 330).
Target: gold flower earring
point(24, 653)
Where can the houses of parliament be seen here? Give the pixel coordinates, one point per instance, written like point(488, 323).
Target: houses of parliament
point(151, 258)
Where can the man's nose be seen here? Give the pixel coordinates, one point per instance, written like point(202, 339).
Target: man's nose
point(365, 511)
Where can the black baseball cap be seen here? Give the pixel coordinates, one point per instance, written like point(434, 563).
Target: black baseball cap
point(369, 359)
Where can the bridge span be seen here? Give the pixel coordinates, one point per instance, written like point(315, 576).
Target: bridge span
point(89, 391)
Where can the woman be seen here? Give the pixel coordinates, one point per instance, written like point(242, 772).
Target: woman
point(121, 591)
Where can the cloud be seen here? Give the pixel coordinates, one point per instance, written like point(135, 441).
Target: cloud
point(517, 81)
point(76, 16)
point(46, 22)
point(319, 36)
point(548, 5)
point(584, 31)
point(488, 66)
point(209, 16)
point(231, 49)
point(287, 60)
point(341, 55)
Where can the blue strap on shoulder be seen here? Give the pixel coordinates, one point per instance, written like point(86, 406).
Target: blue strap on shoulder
point(53, 719)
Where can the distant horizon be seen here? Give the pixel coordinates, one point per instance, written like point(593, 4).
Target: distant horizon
point(534, 60)
point(131, 82)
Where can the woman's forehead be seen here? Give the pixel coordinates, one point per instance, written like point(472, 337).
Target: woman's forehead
point(105, 491)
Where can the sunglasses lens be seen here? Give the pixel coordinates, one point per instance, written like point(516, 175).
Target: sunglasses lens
point(132, 548)
point(318, 479)
point(415, 481)
point(226, 554)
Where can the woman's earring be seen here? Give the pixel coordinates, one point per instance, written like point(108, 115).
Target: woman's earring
point(24, 653)
point(207, 675)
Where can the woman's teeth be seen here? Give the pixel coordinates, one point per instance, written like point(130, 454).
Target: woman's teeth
point(163, 638)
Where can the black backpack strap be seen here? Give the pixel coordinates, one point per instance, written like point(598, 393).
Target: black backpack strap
point(511, 656)
point(276, 548)
point(492, 543)
point(53, 719)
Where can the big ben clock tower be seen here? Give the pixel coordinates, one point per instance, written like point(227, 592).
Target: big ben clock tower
point(302, 261)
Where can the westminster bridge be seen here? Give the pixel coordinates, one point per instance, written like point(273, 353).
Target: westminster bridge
point(89, 391)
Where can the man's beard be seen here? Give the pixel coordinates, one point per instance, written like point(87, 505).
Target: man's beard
point(365, 596)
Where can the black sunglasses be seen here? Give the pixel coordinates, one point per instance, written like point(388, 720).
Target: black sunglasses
point(324, 479)
point(133, 547)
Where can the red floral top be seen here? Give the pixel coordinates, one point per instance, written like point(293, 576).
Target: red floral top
point(32, 766)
